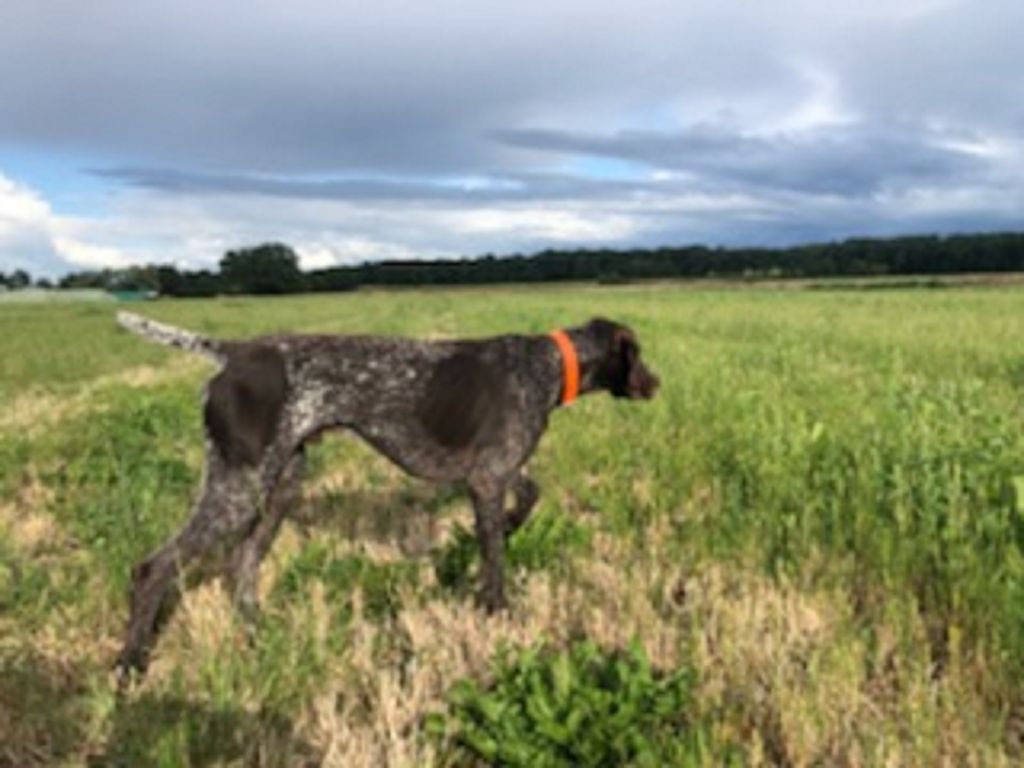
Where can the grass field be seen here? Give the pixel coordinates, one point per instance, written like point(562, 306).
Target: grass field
point(808, 550)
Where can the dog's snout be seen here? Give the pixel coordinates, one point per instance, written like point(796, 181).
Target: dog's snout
point(645, 384)
point(652, 384)
point(655, 384)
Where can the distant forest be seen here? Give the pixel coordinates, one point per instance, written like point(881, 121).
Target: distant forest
point(273, 268)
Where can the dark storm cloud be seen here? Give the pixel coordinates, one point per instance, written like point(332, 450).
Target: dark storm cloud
point(513, 187)
point(416, 89)
point(321, 87)
point(842, 160)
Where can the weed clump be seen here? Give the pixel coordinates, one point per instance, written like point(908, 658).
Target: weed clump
point(577, 707)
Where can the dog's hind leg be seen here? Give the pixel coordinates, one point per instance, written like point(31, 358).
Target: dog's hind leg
point(244, 568)
point(227, 508)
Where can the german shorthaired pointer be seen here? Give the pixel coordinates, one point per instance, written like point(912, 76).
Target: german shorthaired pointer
point(469, 411)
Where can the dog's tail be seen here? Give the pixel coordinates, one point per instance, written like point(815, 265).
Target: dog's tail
point(173, 336)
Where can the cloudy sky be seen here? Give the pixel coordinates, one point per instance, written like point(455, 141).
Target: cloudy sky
point(135, 132)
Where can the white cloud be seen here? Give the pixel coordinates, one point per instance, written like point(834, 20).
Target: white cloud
point(26, 222)
point(20, 207)
point(335, 250)
point(140, 226)
point(820, 106)
point(552, 224)
point(91, 256)
point(34, 238)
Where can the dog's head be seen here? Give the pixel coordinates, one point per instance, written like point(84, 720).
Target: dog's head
point(618, 367)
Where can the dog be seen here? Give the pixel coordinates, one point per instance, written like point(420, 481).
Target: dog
point(455, 411)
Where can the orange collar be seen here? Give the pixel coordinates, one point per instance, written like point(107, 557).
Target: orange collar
point(570, 366)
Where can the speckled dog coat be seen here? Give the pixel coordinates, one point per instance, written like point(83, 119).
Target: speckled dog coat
point(466, 411)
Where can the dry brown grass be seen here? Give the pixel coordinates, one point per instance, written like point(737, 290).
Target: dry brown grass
point(28, 525)
point(782, 671)
point(789, 673)
point(372, 715)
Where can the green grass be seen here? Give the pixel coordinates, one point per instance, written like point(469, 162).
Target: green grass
point(864, 446)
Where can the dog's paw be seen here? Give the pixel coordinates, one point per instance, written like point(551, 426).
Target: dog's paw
point(491, 602)
point(129, 668)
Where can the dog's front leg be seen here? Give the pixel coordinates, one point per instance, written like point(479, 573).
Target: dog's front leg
point(488, 507)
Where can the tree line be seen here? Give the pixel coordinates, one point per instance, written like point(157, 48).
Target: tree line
point(19, 279)
point(273, 268)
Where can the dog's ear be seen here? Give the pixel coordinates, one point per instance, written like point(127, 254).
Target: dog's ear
point(640, 383)
point(627, 352)
point(625, 346)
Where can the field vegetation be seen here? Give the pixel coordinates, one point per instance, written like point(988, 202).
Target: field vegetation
point(808, 550)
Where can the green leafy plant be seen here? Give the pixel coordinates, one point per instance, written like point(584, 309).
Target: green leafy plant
point(576, 707)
